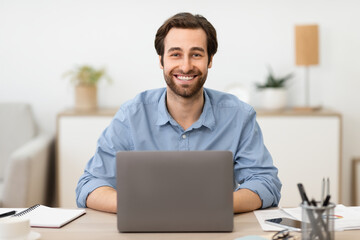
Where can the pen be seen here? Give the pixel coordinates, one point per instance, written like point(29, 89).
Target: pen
point(313, 202)
point(303, 194)
point(323, 190)
point(328, 186)
point(326, 201)
point(7, 214)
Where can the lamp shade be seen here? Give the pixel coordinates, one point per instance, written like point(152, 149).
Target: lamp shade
point(307, 45)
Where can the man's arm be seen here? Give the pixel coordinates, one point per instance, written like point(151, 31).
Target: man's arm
point(254, 169)
point(103, 199)
point(246, 200)
point(100, 171)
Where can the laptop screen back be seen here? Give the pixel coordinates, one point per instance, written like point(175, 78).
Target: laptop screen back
point(175, 191)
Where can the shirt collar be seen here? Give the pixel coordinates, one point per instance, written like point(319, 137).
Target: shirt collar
point(206, 119)
point(163, 114)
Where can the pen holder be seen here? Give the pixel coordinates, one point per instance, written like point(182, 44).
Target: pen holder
point(317, 222)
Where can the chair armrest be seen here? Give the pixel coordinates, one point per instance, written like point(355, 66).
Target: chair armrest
point(26, 174)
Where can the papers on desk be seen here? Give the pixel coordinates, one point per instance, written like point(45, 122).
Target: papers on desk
point(345, 218)
point(262, 215)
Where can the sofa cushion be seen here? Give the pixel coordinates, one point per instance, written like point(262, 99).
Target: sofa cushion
point(17, 126)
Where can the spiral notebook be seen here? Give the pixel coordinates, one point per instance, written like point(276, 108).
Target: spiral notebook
point(47, 217)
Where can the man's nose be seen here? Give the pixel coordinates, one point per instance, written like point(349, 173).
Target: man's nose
point(186, 65)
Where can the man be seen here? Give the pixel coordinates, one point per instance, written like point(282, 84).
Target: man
point(184, 116)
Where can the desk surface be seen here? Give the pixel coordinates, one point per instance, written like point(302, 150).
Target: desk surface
point(99, 225)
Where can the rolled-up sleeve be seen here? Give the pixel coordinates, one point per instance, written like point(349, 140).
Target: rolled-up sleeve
point(253, 167)
point(86, 185)
point(101, 169)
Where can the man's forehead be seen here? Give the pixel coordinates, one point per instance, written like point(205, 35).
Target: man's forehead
point(185, 39)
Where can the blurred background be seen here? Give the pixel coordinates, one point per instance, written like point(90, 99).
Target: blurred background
point(40, 40)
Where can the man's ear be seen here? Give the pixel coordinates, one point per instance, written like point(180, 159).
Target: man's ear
point(160, 63)
point(210, 62)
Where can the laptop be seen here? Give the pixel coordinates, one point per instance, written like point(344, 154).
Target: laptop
point(169, 191)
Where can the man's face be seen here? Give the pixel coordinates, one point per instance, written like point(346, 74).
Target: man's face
point(185, 61)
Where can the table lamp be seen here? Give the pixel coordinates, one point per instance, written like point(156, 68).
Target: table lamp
point(307, 54)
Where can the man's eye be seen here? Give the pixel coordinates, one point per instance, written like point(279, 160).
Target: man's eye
point(197, 55)
point(175, 55)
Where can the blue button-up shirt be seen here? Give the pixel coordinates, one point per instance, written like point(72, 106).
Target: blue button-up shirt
point(226, 123)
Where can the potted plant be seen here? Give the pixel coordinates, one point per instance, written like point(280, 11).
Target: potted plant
point(274, 94)
point(85, 78)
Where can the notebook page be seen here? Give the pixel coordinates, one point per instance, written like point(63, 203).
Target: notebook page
point(43, 216)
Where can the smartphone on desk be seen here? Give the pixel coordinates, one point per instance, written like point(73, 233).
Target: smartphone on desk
point(288, 223)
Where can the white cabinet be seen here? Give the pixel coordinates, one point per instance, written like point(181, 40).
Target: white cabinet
point(77, 136)
point(305, 147)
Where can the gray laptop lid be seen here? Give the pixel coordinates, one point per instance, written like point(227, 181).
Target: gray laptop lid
point(175, 191)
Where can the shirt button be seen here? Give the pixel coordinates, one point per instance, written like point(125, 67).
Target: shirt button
point(184, 136)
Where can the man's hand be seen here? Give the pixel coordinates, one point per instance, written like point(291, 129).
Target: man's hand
point(103, 199)
point(246, 200)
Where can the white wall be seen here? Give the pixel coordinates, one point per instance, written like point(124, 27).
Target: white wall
point(40, 40)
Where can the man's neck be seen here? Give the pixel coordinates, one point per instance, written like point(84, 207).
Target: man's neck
point(185, 111)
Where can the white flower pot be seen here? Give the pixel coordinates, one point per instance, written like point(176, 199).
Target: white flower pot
point(273, 98)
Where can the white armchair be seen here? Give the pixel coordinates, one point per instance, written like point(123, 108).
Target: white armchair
point(24, 158)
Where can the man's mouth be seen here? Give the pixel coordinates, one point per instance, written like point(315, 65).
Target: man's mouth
point(185, 77)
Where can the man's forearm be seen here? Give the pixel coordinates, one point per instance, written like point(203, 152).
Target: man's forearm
point(246, 200)
point(103, 199)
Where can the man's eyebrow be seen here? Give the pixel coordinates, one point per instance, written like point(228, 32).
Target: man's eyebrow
point(198, 49)
point(192, 49)
point(174, 49)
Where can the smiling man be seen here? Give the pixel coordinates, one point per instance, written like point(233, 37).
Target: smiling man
point(184, 116)
point(185, 63)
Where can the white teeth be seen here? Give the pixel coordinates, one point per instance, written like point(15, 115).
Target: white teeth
point(185, 78)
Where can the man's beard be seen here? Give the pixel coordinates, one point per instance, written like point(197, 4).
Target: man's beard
point(186, 90)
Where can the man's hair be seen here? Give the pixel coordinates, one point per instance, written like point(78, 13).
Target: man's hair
point(186, 21)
